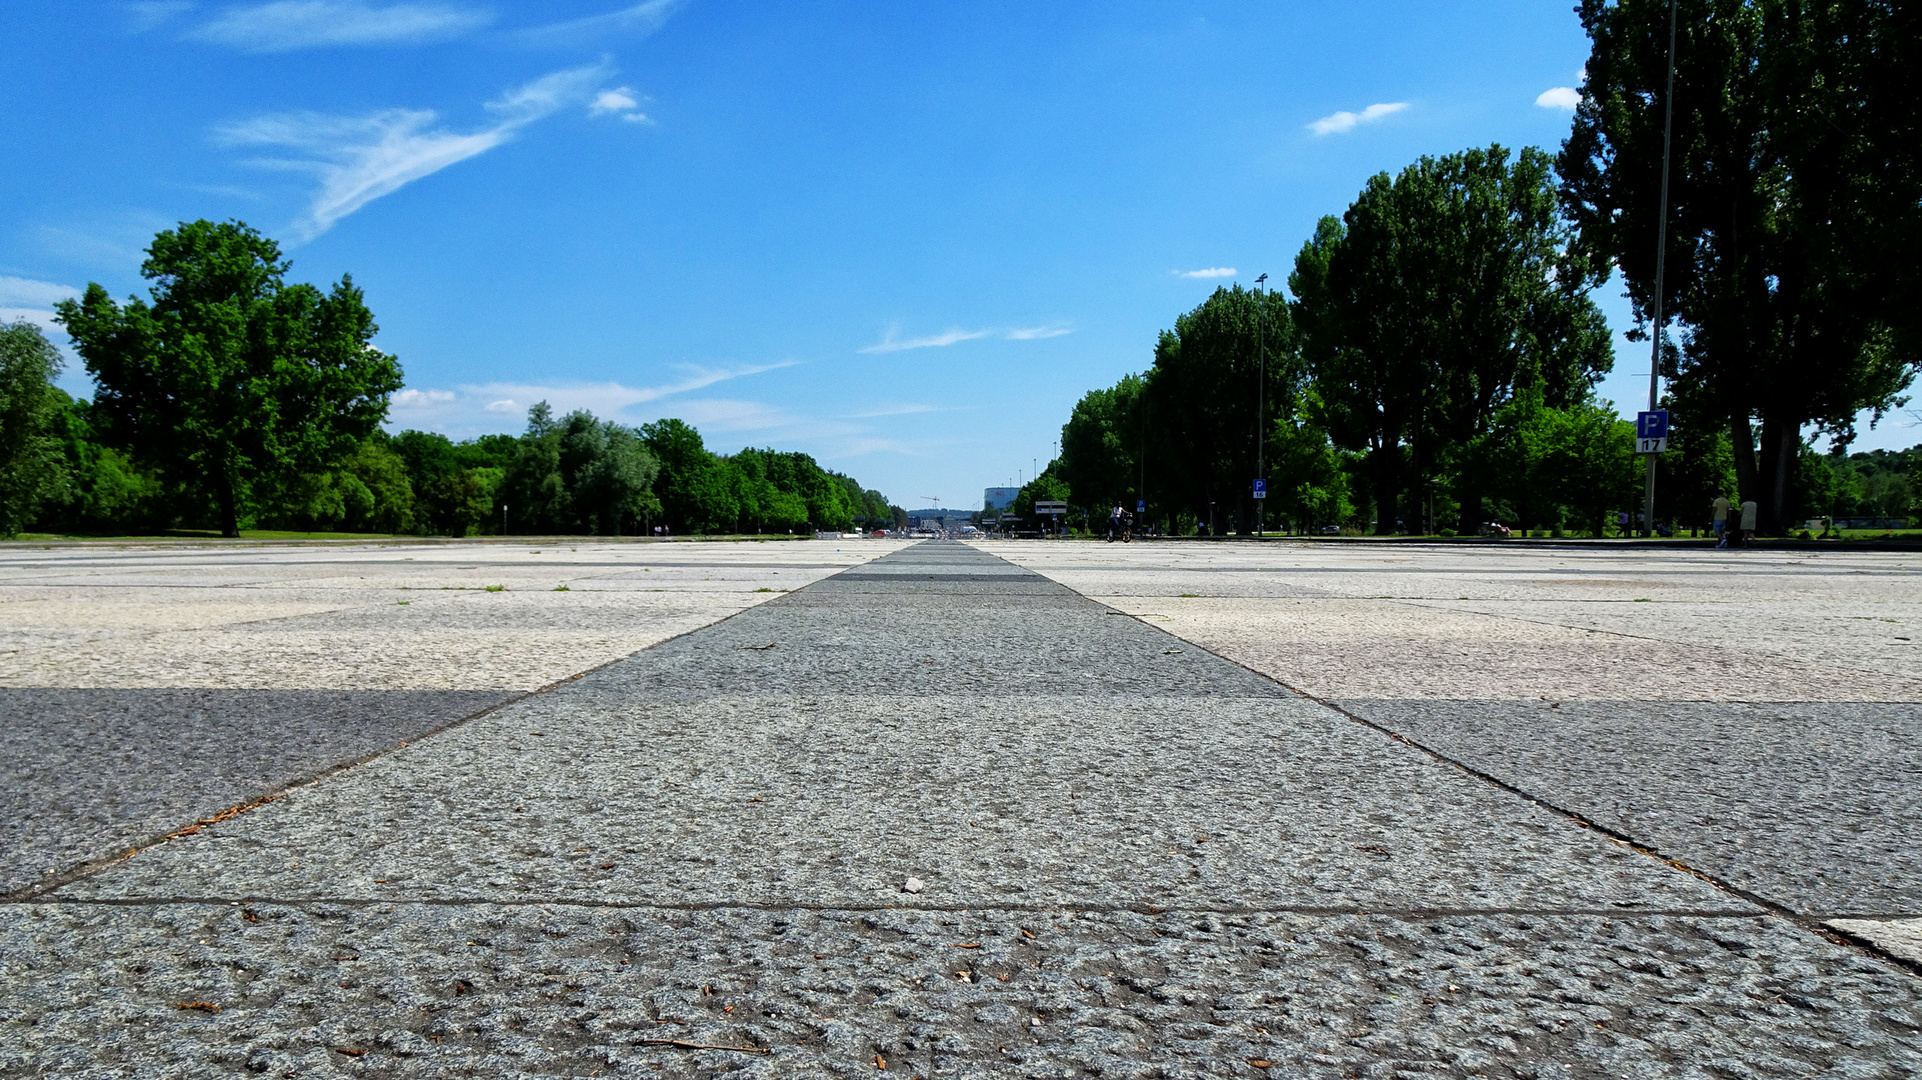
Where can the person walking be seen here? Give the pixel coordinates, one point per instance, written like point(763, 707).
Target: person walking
point(1721, 520)
point(1748, 521)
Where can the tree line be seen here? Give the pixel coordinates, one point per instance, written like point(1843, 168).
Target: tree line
point(1433, 362)
point(231, 399)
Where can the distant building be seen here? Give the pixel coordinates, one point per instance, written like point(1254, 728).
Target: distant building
point(999, 498)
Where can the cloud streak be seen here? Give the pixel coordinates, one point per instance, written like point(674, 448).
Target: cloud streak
point(467, 406)
point(24, 298)
point(1559, 97)
point(620, 102)
point(1336, 123)
point(1037, 333)
point(1210, 272)
point(26, 292)
point(893, 343)
point(634, 22)
point(360, 159)
point(289, 25)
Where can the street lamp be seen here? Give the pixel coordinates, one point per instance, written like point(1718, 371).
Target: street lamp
point(1661, 259)
point(1261, 387)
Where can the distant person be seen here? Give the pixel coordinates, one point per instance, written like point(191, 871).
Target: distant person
point(1748, 521)
point(1114, 522)
point(1721, 520)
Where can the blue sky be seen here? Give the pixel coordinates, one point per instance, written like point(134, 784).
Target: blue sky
point(902, 237)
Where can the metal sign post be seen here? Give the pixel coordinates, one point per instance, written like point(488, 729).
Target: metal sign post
point(1053, 509)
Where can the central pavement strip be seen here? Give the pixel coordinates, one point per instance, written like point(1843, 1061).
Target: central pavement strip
point(1135, 859)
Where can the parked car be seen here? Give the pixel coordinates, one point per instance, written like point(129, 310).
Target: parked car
point(1331, 530)
point(1495, 529)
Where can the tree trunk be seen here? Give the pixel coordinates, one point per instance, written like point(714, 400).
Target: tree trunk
point(1385, 493)
point(1781, 439)
point(1470, 522)
point(229, 514)
point(1742, 443)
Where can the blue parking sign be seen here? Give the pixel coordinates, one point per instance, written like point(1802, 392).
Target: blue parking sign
point(1651, 431)
point(1261, 489)
point(1141, 506)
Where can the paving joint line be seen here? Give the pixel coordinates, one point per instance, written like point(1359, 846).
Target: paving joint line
point(1414, 913)
point(91, 867)
point(1812, 924)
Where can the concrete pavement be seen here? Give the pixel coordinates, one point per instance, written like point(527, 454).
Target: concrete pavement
point(1134, 856)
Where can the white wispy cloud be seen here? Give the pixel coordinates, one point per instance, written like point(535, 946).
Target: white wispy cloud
point(287, 25)
point(621, 102)
point(1210, 272)
point(895, 343)
point(360, 158)
point(40, 317)
point(26, 292)
point(726, 415)
point(466, 406)
point(1036, 333)
point(637, 21)
point(1559, 97)
point(32, 301)
point(619, 99)
point(144, 15)
point(1336, 123)
point(411, 398)
point(896, 410)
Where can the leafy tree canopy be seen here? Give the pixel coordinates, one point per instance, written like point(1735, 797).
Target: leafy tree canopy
point(230, 380)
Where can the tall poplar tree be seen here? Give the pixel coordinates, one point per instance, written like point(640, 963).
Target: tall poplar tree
point(1441, 292)
point(1792, 215)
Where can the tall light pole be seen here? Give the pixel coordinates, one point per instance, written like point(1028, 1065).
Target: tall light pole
point(1261, 389)
point(1661, 267)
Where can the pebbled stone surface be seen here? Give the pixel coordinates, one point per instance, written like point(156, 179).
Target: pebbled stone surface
point(836, 801)
point(411, 990)
point(1810, 805)
point(1180, 868)
point(85, 773)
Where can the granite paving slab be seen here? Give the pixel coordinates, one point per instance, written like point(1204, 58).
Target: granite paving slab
point(86, 773)
point(1749, 713)
point(931, 817)
point(1813, 806)
point(484, 990)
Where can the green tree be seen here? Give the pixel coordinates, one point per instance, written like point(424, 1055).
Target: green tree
point(1308, 483)
point(231, 381)
point(1101, 447)
point(382, 473)
point(1583, 458)
point(694, 492)
point(33, 470)
point(1201, 400)
point(609, 473)
point(534, 488)
point(1794, 209)
point(1440, 293)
